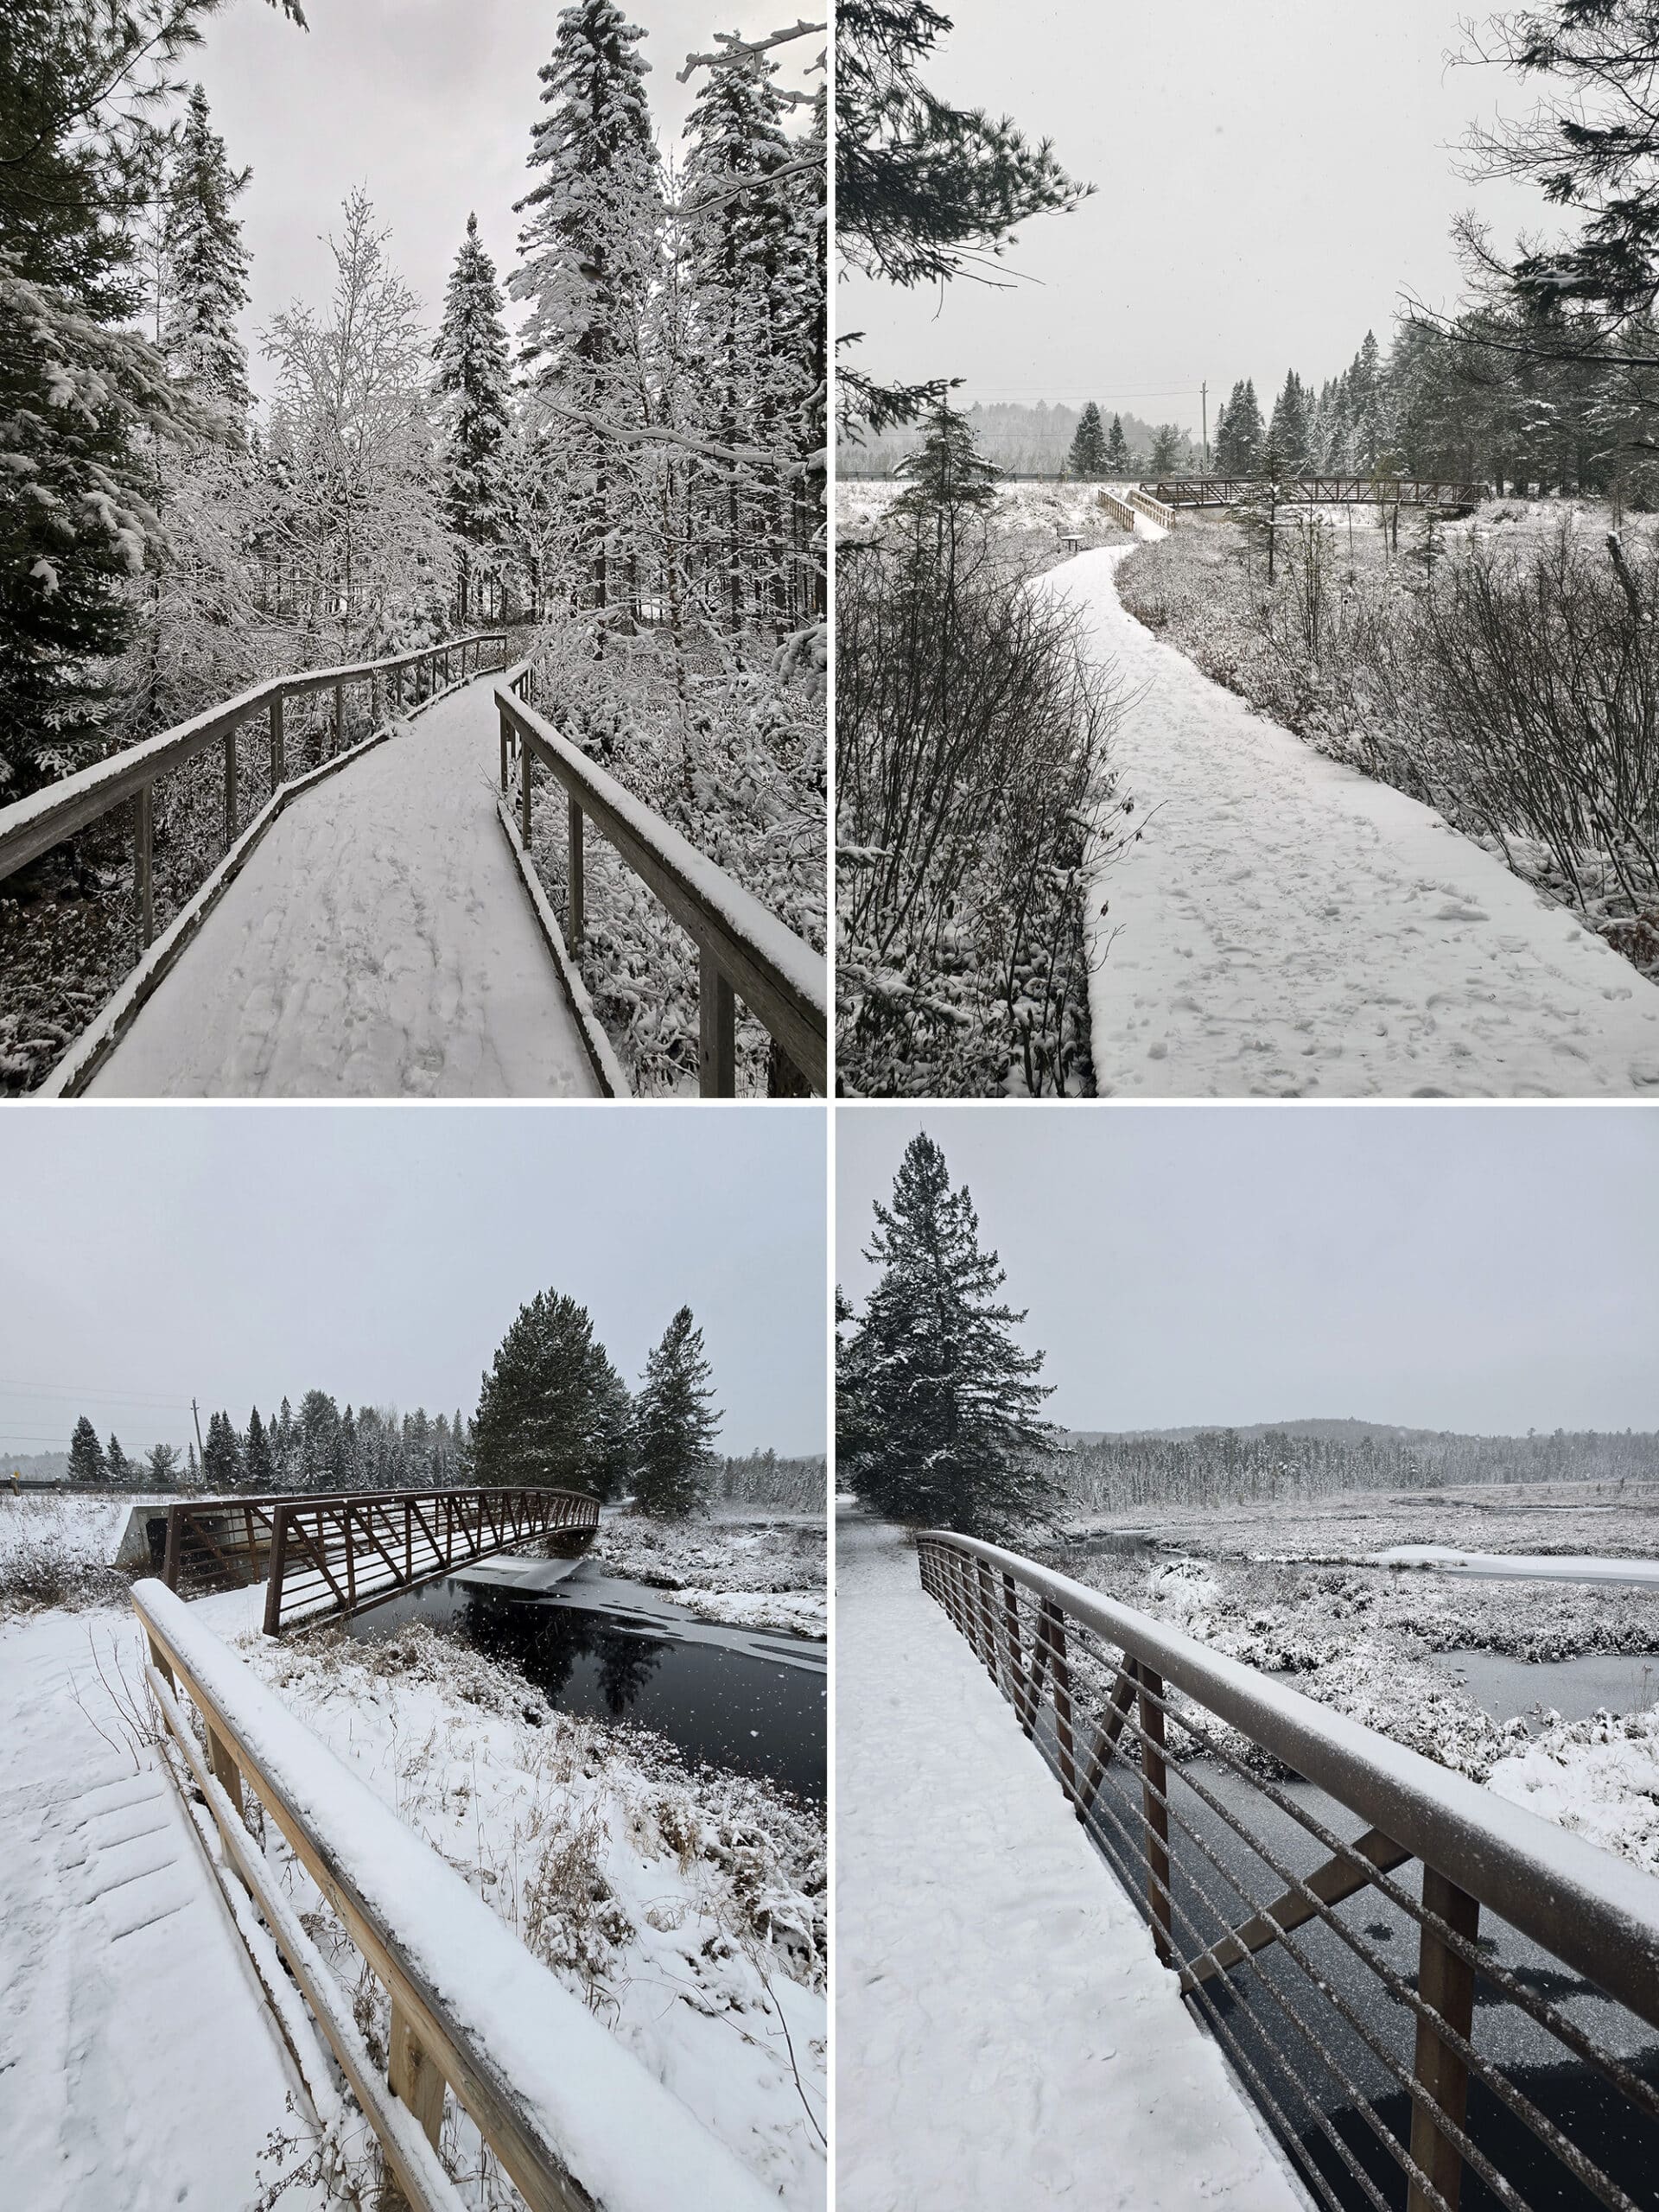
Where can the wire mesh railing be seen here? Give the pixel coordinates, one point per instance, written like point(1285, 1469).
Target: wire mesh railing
point(1290, 1862)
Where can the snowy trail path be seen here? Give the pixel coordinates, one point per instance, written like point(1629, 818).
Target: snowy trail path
point(139, 2066)
point(1005, 2034)
point(378, 944)
point(1287, 928)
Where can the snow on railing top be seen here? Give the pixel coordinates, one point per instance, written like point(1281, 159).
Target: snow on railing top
point(32, 826)
point(780, 977)
point(578, 2103)
point(1595, 1912)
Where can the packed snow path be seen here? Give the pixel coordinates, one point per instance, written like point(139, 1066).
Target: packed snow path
point(1285, 927)
point(140, 2067)
point(1004, 2035)
point(379, 943)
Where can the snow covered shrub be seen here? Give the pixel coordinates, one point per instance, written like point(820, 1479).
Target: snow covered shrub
point(727, 747)
point(971, 751)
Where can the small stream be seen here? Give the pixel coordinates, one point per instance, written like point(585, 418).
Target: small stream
point(751, 1701)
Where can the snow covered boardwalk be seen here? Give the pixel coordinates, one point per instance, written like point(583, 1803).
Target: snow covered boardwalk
point(139, 2065)
point(377, 944)
point(1287, 928)
point(1006, 2035)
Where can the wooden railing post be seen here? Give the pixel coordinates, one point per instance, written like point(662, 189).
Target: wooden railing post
point(144, 873)
point(415, 2079)
point(278, 763)
point(340, 716)
point(174, 1546)
point(716, 1030)
point(506, 739)
point(1446, 1981)
point(230, 789)
point(574, 870)
point(524, 793)
point(1155, 1810)
point(374, 700)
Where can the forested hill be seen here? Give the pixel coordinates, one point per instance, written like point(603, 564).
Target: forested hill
point(1108, 1471)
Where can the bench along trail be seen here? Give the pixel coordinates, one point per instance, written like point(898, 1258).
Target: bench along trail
point(377, 944)
point(1285, 927)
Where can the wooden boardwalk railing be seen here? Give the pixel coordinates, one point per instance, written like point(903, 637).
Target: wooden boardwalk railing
point(1320, 491)
point(575, 2120)
point(744, 951)
point(32, 826)
point(1118, 508)
point(324, 1557)
point(1155, 509)
point(1234, 1870)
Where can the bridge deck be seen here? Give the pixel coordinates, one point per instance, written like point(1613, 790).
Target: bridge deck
point(1006, 2034)
point(377, 944)
point(137, 2058)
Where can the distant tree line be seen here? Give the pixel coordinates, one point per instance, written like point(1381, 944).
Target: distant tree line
point(1224, 1466)
point(553, 1413)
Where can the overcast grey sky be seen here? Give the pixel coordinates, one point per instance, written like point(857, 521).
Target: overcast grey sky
point(430, 104)
point(1269, 178)
point(379, 1253)
point(1483, 1268)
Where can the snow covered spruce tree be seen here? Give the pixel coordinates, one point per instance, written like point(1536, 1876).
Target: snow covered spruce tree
point(589, 248)
point(258, 1466)
point(675, 1424)
point(1119, 461)
point(552, 1412)
point(205, 265)
point(936, 1419)
point(86, 1460)
point(473, 391)
point(1088, 456)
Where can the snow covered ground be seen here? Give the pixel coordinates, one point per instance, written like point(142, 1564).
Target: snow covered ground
point(1522, 1567)
point(378, 944)
point(1285, 927)
point(139, 2068)
point(1006, 2036)
point(757, 1570)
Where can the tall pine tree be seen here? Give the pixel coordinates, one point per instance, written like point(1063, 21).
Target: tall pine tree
point(589, 249)
point(938, 1420)
point(675, 1424)
point(257, 1463)
point(472, 384)
point(1118, 458)
point(552, 1412)
point(87, 1461)
point(1088, 454)
point(206, 270)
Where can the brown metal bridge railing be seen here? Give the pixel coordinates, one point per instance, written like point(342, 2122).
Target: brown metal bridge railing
point(743, 949)
point(573, 2117)
point(325, 1557)
point(1187, 1770)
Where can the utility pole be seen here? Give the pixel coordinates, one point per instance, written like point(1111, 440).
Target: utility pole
point(1204, 399)
point(201, 1455)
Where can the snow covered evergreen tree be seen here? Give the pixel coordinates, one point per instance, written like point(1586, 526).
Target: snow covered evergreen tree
point(1238, 432)
point(1119, 461)
point(1087, 456)
point(120, 1470)
point(1168, 449)
point(162, 1467)
point(937, 1410)
point(87, 1461)
point(675, 1424)
point(552, 1412)
point(947, 472)
point(257, 1463)
point(206, 266)
point(221, 1454)
point(589, 249)
point(472, 382)
point(1288, 430)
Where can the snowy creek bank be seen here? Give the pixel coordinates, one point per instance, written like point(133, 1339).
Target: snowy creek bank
point(751, 1701)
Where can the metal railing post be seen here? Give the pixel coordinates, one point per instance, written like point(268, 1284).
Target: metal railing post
point(174, 1546)
point(1060, 1673)
point(277, 1571)
point(1154, 1808)
point(1446, 1981)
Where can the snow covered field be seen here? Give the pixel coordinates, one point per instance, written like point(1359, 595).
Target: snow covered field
point(1285, 927)
point(1006, 2034)
point(1277, 1589)
point(761, 1570)
point(59, 1550)
point(378, 944)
